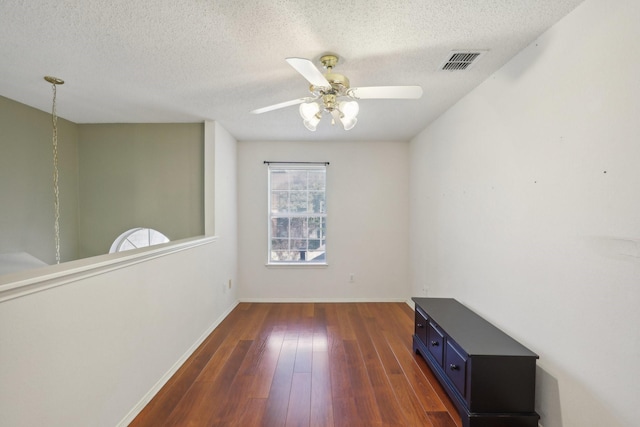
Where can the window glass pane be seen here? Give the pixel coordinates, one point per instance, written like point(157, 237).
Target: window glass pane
point(314, 244)
point(316, 180)
point(279, 244)
point(127, 245)
point(316, 255)
point(280, 227)
point(298, 179)
point(140, 238)
point(279, 201)
point(314, 229)
point(316, 202)
point(298, 201)
point(156, 238)
point(298, 244)
point(298, 228)
point(279, 180)
point(284, 256)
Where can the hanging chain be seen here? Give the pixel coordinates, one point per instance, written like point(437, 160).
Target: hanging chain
point(56, 189)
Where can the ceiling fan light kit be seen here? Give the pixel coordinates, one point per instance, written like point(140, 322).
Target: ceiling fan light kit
point(332, 93)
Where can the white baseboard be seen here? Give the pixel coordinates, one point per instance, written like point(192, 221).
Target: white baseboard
point(320, 300)
point(167, 376)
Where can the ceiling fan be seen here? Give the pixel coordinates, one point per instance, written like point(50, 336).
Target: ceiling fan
point(331, 93)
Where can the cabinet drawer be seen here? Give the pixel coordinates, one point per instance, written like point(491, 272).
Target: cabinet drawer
point(421, 326)
point(435, 342)
point(455, 366)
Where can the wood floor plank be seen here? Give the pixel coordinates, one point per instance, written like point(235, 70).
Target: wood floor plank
point(345, 413)
point(441, 419)
point(387, 404)
point(234, 404)
point(304, 352)
point(340, 385)
point(204, 398)
point(429, 398)
point(362, 390)
point(263, 339)
point(253, 414)
point(278, 401)
point(267, 367)
point(384, 351)
point(311, 364)
point(344, 323)
point(299, 410)
point(321, 402)
point(411, 408)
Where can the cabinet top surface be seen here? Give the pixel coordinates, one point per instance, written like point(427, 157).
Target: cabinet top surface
point(474, 334)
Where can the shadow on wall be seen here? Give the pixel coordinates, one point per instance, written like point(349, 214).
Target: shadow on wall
point(548, 403)
point(548, 399)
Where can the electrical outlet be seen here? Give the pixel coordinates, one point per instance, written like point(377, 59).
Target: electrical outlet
point(229, 283)
point(352, 277)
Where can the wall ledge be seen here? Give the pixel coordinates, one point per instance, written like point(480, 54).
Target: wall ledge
point(24, 283)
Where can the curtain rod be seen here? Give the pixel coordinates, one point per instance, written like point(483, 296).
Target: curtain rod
point(268, 162)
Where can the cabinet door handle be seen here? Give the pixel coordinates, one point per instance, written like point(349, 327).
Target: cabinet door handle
point(420, 325)
point(454, 367)
point(435, 343)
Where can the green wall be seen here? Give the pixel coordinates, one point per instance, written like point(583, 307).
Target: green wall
point(139, 175)
point(26, 183)
point(113, 177)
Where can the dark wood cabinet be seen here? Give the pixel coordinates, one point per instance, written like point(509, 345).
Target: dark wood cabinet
point(488, 375)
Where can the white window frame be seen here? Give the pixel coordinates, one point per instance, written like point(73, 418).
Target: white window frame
point(320, 260)
point(139, 237)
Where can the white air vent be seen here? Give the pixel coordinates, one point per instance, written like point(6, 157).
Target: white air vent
point(459, 60)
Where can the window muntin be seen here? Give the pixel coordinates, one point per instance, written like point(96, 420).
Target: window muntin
point(297, 214)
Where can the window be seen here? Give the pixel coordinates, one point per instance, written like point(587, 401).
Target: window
point(137, 238)
point(297, 213)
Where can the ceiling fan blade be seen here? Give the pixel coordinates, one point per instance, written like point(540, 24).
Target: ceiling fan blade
point(386, 92)
point(309, 71)
point(280, 105)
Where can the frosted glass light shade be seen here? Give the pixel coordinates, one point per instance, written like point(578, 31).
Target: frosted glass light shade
point(349, 108)
point(312, 123)
point(309, 110)
point(349, 111)
point(349, 123)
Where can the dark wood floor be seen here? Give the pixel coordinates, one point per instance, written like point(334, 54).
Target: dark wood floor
point(305, 365)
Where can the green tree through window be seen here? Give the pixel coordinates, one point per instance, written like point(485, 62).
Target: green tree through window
point(297, 213)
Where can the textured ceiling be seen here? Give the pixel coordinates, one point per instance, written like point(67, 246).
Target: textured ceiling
point(194, 60)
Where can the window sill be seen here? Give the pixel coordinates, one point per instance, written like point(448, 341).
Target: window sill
point(297, 265)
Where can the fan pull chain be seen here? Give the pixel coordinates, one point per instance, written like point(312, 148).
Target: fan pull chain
point(56, 188)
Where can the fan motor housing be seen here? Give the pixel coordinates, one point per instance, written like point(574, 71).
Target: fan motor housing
point(339, 84)
point(337, 80)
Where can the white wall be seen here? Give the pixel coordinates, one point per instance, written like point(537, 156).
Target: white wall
point(225, 206)
point(367, 223)
point(526, 207)
point(90, 347)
